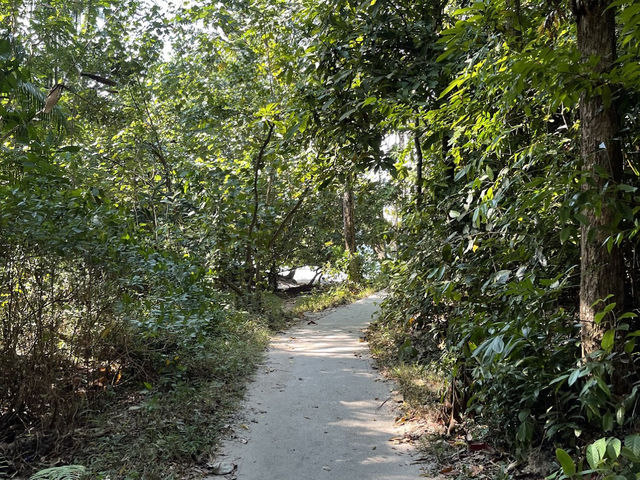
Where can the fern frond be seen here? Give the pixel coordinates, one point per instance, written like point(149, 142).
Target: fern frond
point(34, 99)
point(67, 472)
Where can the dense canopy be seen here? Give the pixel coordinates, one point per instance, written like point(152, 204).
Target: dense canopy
point(163, 165)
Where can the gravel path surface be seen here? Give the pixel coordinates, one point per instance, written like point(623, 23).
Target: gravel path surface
point(318, 410)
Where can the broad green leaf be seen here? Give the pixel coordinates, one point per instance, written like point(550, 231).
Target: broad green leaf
point(595, 452)
point(575, 375)
point(620, 412)
point(608, 340)
point(607, 422)
point(614, 447)
point(502, 276)
point(566, 462)
point(565, 233)
point(600, 315)
point(347, 114)
point(632, 442)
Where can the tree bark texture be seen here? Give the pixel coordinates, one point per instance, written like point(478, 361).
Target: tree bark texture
point(348, 216)
point(601, 271)
point(419, 161)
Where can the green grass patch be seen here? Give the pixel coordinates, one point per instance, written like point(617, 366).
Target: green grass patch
point(422, 385)
point(331, 297)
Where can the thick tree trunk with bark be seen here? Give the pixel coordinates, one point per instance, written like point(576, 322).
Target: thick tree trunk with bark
point(601, 271)
point(348, 216)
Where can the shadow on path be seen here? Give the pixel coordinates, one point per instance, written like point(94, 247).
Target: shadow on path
point(315, 410)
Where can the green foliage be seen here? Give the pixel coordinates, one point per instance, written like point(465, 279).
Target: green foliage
point(487, 266)
point(173, 179)
point(67, 472)
point(331, 297)
point(609, 458)
point(179, 416)
point(195, 152)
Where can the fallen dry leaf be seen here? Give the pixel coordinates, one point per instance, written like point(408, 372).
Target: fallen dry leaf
point(447, 469)
point(475, 470)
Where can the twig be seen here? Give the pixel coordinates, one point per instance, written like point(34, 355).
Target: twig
point(382, 404)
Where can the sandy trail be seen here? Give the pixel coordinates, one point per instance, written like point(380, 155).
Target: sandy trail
point(315, 410)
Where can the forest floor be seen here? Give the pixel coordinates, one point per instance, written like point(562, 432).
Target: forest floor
point(169, 427)
point(318, 408)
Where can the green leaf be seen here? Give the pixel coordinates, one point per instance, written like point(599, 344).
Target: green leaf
point(446, 252)
point(629, 345)
point(490, 173)
point(614, 447)
point(632, 442)
point(575, 375)
point(620, 414)
point(502, 276)
point(565, 233)
point(595, 452)
point(600, 315)
point(346, 114)
point(608, 340)
point(607, 422)
point(566, 462)
point(292, 130)
point(603, 386)
point(66, 472)
point(70, 148)
point(627, 188)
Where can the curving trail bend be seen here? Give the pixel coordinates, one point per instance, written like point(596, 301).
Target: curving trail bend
point(317, 408)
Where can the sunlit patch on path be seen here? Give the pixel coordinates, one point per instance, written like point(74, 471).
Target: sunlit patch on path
point(317, 409)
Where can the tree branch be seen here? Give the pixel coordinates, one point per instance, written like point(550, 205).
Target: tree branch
point(288, 217)
point(254, 216)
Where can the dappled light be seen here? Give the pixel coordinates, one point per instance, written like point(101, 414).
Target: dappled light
point(183, 182)
point(323, 410)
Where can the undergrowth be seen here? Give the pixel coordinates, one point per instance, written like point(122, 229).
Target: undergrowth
point(162, 429)
point(422, 386)
point(166, 421)
point(170, 424)
point(167, 424)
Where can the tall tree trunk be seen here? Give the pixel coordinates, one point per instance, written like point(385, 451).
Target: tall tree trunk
point(601, 271)
point(252, 271)
point(348, 215)
point(419, 160)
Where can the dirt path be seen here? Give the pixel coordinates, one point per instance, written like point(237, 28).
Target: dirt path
point(317, 409)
